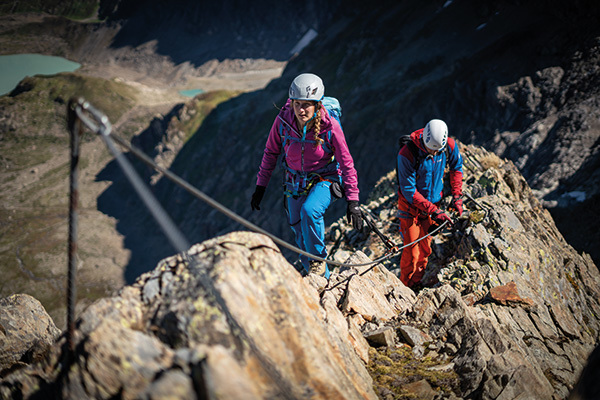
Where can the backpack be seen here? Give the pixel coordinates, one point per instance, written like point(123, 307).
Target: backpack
point(405, 140)
point(333, 107)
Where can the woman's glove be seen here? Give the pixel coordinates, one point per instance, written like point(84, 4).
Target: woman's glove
point(257, 196)
point(354, 215)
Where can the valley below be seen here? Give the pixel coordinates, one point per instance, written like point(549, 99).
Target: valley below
point(540, 113)
point(35, 163)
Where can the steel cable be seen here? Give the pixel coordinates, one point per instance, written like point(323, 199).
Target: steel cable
point(104, 129)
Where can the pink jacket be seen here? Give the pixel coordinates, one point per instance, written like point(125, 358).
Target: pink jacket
point(305, 157)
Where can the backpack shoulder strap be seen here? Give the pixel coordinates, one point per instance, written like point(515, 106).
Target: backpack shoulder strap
point(405, 140)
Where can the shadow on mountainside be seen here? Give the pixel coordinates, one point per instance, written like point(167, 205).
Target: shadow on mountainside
point(457, 63)
point(142, 234)
point(198, 32)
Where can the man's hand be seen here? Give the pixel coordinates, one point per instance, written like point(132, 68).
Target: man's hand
point(257, 196)
point(439, 217)
point(457, 204)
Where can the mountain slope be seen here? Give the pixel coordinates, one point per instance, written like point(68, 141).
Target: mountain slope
point(511, 311)
point(519, 79)
point(526, 93)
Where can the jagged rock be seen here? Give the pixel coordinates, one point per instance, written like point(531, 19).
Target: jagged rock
point(26, 332)
point(421, 390)
point(382, 337)
point(374, 291)
point(508, 295)
point(232, 307)
point(414, 336)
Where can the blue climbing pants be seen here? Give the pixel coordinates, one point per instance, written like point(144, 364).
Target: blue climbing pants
point(305, 216)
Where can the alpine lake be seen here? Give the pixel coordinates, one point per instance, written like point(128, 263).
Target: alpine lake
point(15, 67)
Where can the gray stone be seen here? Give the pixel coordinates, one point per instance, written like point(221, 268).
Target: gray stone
point(381, 337)
point(414, 336)
point(26, 331)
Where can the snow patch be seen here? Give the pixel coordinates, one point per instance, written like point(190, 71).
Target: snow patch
point(576, 195)
point(305, 41)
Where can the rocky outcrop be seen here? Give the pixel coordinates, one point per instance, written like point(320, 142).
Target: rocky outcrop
point(514, 305)
point(508, 310)
point(26, 332)
point(237, 322)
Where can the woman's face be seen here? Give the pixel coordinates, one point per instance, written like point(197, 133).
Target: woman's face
point(304, 110)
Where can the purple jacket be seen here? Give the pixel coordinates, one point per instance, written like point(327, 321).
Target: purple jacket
point(305, 157)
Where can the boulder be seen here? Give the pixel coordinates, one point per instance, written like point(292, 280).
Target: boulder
point(229, 319)
point(26, 332)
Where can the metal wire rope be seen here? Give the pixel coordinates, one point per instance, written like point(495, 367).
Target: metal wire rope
point(174, 235)
point(219, 207)
point(178, 241)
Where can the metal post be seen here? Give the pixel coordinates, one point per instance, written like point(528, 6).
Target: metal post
point(76, 129)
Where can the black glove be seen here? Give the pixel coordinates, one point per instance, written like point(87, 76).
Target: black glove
point(457, 204)
point(354, 215)
point(439, 217)
point(257, 196)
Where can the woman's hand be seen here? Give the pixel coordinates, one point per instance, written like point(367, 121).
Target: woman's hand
point(257, 196)
point(354, 215)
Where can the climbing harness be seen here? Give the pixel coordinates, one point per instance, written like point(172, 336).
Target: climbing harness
point(98, 123)
point(298, 183)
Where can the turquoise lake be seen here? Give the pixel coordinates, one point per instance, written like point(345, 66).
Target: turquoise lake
point(191, 92)
point(14, 68)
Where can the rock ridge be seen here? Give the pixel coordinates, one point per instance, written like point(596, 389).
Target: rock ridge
point(508, 310)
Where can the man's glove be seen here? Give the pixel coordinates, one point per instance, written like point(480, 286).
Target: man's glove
point(257, 196)
point(457, 204)
point(354, 215)
point(439, 217)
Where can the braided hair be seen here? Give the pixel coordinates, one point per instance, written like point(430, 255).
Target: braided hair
point(317, 124)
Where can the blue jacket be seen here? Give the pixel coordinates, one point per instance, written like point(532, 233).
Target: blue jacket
point(422, 188)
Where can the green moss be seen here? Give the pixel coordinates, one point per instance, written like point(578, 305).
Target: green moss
point(201, 106)
point(486, 182)
point(43, 100)
point(477, 216)
point(392, 369)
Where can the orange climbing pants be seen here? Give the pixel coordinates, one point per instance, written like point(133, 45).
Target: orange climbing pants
point(414, 258)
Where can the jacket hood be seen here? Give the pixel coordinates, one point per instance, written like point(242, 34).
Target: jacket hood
point(417, 138)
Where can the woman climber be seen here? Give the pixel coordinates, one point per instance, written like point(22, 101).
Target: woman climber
point(318, 167)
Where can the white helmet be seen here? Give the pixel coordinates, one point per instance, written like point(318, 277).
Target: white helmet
point(307, 87)
point(435, 134)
